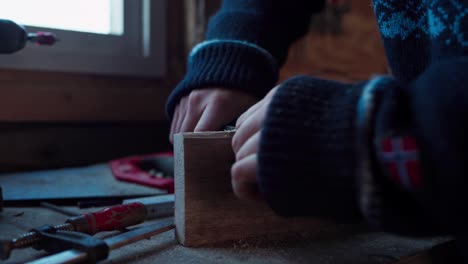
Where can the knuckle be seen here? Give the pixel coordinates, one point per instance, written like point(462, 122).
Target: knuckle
point(236, 173)
point(238, 122)
point(239, 155)
point(195, 98)
point(221, 97)
point(235, 144)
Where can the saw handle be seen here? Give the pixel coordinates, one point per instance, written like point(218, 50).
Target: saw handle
point(110, 219)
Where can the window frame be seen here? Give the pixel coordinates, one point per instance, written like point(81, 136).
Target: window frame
point(140, 51)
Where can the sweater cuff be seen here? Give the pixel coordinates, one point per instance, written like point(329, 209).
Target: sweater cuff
point(383, 134)
point(227, 64)
point(307, 149)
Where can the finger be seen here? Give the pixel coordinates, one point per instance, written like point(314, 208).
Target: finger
point(211, 119)
point(250, 147)
point(175, 119)
point(247, 113)
point(192, 116)
point(182, 113)
point(248, 128)
point(244, 178)
point(255, 107)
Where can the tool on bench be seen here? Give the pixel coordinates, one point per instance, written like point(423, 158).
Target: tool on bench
point(156, 206)
point(154, 170)
point(96, 253)
point(59, 209)
point(109, 219)
point(14, 37)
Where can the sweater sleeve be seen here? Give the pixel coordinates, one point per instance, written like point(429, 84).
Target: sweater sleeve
point(310, 156)
point(307, 149)
point(246, 43)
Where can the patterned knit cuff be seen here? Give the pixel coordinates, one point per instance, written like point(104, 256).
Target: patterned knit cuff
point(307, 149)
point(227, 64)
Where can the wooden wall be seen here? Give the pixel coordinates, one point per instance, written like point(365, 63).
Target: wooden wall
point(355, 54)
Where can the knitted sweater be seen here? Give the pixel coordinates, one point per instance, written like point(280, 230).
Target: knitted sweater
point(308, 160)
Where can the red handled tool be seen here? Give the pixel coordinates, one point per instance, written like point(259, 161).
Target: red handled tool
point(109, 219)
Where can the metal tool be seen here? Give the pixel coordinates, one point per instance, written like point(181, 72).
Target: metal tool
point(59, 209)
point(156, 206)
point(109, 219)
point(14, 37)
point(75, 256)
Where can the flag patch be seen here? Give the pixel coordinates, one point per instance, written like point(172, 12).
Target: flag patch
point(399, 155)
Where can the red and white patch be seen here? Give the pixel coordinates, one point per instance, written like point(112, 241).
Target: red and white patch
point(400, 156)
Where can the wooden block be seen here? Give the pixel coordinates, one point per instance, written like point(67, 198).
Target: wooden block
point(206, 209)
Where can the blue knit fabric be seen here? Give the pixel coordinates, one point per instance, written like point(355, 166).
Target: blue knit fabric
point(419, 32)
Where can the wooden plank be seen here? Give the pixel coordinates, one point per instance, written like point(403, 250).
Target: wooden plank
point(50, 96)
point(206, 209)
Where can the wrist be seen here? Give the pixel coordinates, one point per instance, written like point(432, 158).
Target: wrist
point(229, 64)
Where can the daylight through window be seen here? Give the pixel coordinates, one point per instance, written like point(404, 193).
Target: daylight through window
point(94, 16)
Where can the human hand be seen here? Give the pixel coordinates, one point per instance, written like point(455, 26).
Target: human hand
point(245, 144)
point(209, 109)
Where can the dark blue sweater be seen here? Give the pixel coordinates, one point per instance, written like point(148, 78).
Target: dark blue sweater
point(308, 160)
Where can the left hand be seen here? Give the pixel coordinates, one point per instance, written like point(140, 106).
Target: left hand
point(245, 144)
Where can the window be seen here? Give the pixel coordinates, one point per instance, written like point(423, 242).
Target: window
point(124, 37)
point(105, 16)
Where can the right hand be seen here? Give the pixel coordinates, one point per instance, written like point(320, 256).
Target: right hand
point(209, 109)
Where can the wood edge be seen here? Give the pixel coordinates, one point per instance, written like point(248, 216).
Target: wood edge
point(179, 188)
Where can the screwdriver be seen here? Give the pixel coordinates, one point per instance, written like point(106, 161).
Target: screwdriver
point(14, 37)
point(109, 219)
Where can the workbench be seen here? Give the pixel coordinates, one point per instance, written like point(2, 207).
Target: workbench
point(340, 243)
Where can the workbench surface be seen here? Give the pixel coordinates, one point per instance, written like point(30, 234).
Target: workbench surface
point(338, 244)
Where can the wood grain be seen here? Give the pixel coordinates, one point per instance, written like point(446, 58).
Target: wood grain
point(47, 96)
point(206, 209)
